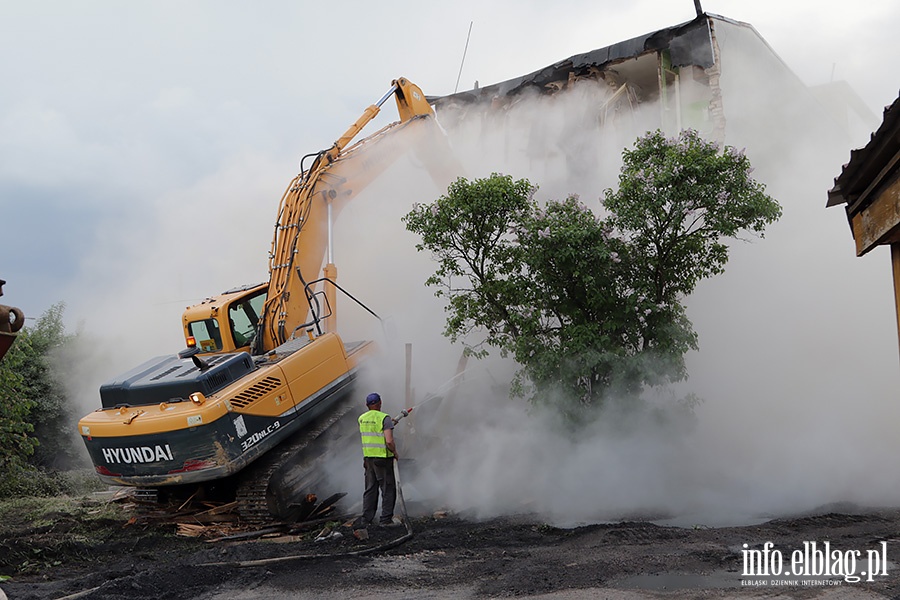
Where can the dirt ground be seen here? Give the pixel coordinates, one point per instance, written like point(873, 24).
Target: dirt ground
point(448, 557)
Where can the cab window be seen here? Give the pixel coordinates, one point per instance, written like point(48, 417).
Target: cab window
point(207, 334)
point(244, 317)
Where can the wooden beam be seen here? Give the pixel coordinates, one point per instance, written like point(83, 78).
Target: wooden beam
point(878, 222)
point(888, 169)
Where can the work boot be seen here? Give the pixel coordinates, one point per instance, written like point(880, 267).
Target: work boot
point(394, 522)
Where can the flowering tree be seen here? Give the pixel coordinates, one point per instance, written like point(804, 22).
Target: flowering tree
point(590, 306)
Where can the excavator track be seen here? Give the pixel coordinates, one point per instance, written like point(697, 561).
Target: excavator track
point(265, 490)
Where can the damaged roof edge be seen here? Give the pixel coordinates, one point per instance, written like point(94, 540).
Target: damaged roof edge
point(697, 29)
point(869, 164)
point(689, 43)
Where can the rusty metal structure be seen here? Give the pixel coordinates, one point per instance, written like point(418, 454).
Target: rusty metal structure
point(11, 321)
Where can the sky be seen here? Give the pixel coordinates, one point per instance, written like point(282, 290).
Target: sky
point(144, 148)
point(112, 112)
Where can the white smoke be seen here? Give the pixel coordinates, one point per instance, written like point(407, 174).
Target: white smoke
point(141, 272)
point(798, 351)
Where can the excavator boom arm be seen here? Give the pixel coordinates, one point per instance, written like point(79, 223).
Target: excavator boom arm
point(315, 197)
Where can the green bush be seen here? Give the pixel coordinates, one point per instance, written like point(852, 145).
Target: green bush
point(45, 483)
point(36, 412)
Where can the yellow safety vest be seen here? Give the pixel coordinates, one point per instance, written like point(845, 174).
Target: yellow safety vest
point(371, 428)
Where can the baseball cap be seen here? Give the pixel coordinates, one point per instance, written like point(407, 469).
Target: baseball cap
point(373, 398)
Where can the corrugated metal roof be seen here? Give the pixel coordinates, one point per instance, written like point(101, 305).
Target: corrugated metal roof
point(869, 164)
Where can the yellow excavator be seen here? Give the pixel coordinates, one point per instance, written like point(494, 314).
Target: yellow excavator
point(247, 405)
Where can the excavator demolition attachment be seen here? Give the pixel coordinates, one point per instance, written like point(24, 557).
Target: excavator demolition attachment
point(11, 321)
point(247, 409)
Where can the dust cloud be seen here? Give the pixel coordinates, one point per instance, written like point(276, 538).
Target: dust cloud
point(161, 254)
point(798, 355)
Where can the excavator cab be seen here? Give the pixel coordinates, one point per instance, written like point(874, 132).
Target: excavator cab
point(227, 322)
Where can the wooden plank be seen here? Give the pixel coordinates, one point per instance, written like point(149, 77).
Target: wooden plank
point(223, 508)
point(203, 518)
point(879, 221)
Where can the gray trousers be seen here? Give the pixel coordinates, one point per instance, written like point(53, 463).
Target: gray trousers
point(379, 477)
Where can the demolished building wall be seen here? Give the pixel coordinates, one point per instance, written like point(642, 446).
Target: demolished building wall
point(670, 79)
point(666, 79)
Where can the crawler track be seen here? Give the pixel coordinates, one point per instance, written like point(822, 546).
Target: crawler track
point(277, 486)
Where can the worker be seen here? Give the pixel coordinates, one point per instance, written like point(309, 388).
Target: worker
point(379, 453)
